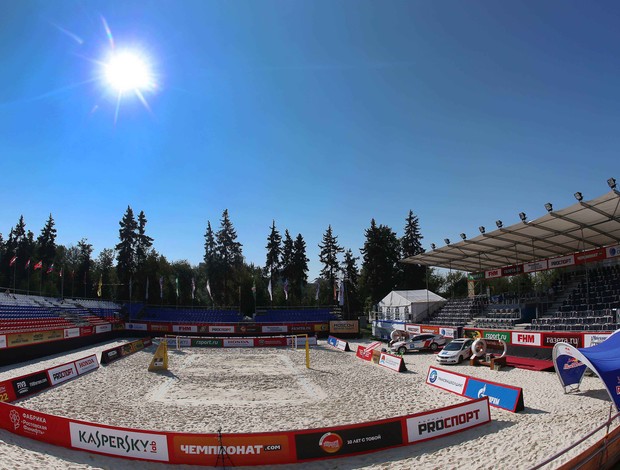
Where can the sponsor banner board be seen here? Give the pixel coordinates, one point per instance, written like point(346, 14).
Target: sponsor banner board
point(348, 440)
point(103, 328)
point(60, 374)
point(535, 266)
point(111, 355)
point(221, 329)
point(87, 364)
point(447, 380)
point(238, 342)
point(318, 327)
point(476, 276)
point(351, 326)
point(29, 384)
point(274, 329)
point(447, 420)
point(271, 342)
point(35, 425)
point(550, 339)
point(392, 362)
point(7, 394)
point(499, 395)
point(561, 261)
point(497, 335)
point(86, 330)
point(21, 339)
point(185, 328)
point(590, 256)
point(429, 329)
point(121, 442)
point(206, 342)
point(183, 342)
point(301, 341)
point(493, 273)
point(526, 338)
point(301, 329)
point(338, 343)
point(612, 251)
point(415, 329)
point(2, 341)
point(512, 270)
point(136, 326)
point(473, 334)
point(159, 327)
point(243, 450)
point(448, 332)
point(72, 332)
point(590, 340)
point(244, 329)
point(364, 353)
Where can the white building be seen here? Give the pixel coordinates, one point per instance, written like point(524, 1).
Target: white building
point(409, 305)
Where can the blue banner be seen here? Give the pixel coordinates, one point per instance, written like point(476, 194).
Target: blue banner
point(500, 396)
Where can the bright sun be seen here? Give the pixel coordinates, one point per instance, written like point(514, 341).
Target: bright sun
point(129, 71)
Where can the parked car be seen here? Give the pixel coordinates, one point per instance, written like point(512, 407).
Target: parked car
point(419, 342)
point(455, 351)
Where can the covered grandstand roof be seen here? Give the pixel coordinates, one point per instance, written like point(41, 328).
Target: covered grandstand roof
point(583, 226)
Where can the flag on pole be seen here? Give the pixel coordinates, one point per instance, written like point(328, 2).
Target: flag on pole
point(270, 291)
point(193, 287)
point(176, 281)
point(146, 295)
point(335, 289)
point(209, 289)
point(161, 287)
point(254, 288)
point(12, 262)
point(39, 265)
point(27, 264)
point(341, 293)
point(318, 287)
point(50, 269)
point(130, 287)
point(286, 289)
point(60, 273)
point(100, 285)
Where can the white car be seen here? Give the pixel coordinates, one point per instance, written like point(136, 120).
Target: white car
point(418, 342)
point(455, 351)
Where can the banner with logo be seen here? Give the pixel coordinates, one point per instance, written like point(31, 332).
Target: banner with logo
point(592, 339)
point(274, 329)
point(2, 341)
point(103, 328)
point(590, 256)
point(526, 338)
point(238, 342)
point(551, 339)
point(22, 339)
point(6, 392)
point(392, 362)
point(114, 354)
point(207, 342)
point(221, 329)
point(338, 343)
point(185, 329)
point(342, 326)
point(535, 266)
point(71, 332)
point(159, 327)
point(136, 326)
point(272, 342)
point(612, 251)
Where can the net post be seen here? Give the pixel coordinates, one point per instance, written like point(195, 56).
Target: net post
point(307, 352)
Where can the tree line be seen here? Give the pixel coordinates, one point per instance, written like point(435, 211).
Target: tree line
point(133, 270)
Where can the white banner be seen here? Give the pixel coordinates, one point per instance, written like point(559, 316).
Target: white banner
point(535, 266)
point(561, 261)
point(221, 329)
point(139, 445)
point(390, 361)
point(2, 341)
point(412, 329)
point(612, 251)
point(183, 342)
point(103, 328)
point(239, 343)
point(447, 421)
point(136, 326)
point(446, 380)
point(185, 328)
point(62, 373)
point(448, 332)
point(72, 332)
point(493, 273)
point(274, 329)
point(86, 364)
point(590, 340)
point(526, 338)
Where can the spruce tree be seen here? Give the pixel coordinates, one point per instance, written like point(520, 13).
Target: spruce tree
point(274, 253)
point(413, 275)
point(380, 256)
point(299, 272)
point(288, 248)
point(353, 305)
point(143, 241)
point(126, 250)
point(46, 242)
point(229, 251)
point(83, 274)
point(329, 257)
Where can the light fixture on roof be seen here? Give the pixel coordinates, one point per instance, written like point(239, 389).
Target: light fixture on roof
point(499, 223)
point(549, 207)
point(463, 236)
point(523, 217)
point(579, 196)
point(612, 183)
point(433, 246)
point(482, 229)
point(447, 240)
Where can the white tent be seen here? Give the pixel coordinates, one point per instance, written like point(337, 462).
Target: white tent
point(409, 305)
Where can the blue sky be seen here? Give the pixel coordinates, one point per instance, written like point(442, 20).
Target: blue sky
point(307, 112)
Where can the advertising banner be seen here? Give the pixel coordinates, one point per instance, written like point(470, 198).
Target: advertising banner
point(301, 329)
point(21, 339)
point(6, 392)
point(348, 440)
point(364, 353)
point(111, 355)
point(30, 384)
point(86, 330)
point(497, 335)
point(476, 276)
point(159, 327)
point(415, 329)
point(612, 251)
point(238, 342)
point(318, 327)
point(448, 332)
point(136, 326)
point(62, 373)
point(550, 339)
point(274, 329)
point(512, 270)
point(351, 326)
point(590, 340)
point(247, 328)
point(392, 362)
point(87, 364)
point(185, 328)
point(103, 328)
point(301, 341)
point(449, 420)
point(207, 342)
point(429, 329)
point(241, 450)
point(2, 341)
point(447, 380)
point(72, 332)
point(499, 395)
point(35, 425)
point(221, 329)
point(338, 343)
point(535, 266)
point(590, 256)
point(523, 338)
point(493, 273)
point(561, 261)
point(271, 342)
point(121, 442)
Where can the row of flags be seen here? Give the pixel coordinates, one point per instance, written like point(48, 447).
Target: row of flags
point(38, 265)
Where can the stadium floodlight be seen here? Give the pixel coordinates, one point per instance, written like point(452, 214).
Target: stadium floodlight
point(612, 183)
point(433, 246)
point(447, 240)
point(463, 236)
point(523, 217)
point(499, 223)
point(579, 196)
point(482, 229)
point(549, 207)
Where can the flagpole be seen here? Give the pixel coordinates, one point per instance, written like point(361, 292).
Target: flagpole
point(14, 274)
point(62, 283)
point(28, 285)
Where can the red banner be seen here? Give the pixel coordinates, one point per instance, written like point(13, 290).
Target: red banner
point(590, 256)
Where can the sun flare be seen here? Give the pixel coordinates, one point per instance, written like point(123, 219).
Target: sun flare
point(129, 71)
